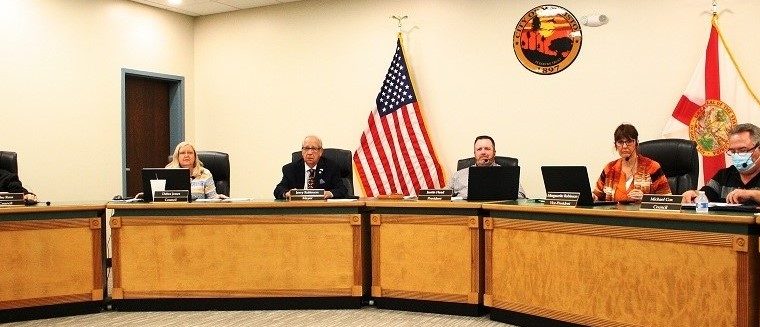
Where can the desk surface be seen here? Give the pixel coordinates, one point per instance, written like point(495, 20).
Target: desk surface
point(421, 204)
point(621, 211)
point(629, 211)
point(56, 207)
point(235, 205)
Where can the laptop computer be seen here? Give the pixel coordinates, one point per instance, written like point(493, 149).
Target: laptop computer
point(570, 179)
point(176, 179)
point(493, 183)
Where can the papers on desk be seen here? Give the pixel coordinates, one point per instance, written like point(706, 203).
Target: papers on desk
point(721, 204)
point(130, 200)
point(713, 204)
point(224, 200)
point(731, 207)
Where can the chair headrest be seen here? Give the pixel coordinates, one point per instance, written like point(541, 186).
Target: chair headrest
point(675, 156)
point(501, 161)
point(9, 161)
point(217, 162)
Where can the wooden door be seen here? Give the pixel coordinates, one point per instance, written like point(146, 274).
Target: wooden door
point(147, 127)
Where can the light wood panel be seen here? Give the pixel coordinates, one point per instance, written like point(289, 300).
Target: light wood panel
point(617, 276)
point(426, 257)
point(50, 261)
point(237, 256)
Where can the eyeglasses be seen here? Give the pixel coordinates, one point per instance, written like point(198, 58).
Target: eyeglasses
point(731, 152)
point(309, 148)
point(621, 143)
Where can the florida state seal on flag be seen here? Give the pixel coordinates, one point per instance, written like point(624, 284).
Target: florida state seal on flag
point(716, 99)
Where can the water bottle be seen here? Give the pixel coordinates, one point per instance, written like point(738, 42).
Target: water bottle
point(701, 202)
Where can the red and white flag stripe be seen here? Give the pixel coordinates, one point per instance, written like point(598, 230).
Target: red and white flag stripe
point(716, 77)
point(396, 155)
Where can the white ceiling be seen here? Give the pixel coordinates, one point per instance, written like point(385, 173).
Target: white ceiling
point(208, 7)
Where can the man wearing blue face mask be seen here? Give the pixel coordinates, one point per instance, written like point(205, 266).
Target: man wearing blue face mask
point(740, 182)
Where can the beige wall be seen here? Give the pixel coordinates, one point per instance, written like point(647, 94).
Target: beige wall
point(258, 80)
point(60, 90)
point(268, 76)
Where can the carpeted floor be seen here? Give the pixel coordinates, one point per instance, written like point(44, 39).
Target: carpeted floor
point(361, 317)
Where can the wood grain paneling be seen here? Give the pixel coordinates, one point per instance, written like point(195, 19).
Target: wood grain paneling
point(415, 295)
point(426, 257)
point(50, 262)
point(231, 256)
point(605, 275)
point(49, 300)
point(226, 293)
point(560, 315)
point(664, 235)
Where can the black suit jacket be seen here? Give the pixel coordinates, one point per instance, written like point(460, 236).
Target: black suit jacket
point(327, 177)
point(9, 182)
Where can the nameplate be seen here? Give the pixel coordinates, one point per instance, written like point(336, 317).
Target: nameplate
point(435, 195)
point(12, 199)
point(171, 196)
point(661, 202)
point(307, 195)
point(564, 199)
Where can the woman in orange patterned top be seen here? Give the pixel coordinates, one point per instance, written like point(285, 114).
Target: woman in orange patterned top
point(627, 179)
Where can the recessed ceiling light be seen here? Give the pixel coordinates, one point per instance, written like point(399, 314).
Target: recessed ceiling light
point(175, 2)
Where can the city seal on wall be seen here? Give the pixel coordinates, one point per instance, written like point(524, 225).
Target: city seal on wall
point(547, 39)
point(709, 127)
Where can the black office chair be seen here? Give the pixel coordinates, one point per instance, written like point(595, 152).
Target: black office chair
point(501, 161)
point(218, 163)
point(9, 161)
point(343, 159)
point(678, 159)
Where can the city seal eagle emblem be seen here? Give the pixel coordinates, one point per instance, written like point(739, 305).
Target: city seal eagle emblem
point(547, 39)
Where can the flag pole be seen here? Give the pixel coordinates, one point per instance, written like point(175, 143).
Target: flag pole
point(729, 52)
point(412, 81)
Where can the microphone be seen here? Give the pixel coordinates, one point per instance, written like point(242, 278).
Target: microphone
point(744, 164)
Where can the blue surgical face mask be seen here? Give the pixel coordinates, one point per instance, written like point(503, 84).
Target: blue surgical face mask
point(742, 161)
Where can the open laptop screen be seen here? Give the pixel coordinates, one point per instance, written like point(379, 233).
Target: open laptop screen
point(176, 179)
point(493, 183)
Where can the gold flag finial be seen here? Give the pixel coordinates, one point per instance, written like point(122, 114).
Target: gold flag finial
point(399, 19)
point(715, 8)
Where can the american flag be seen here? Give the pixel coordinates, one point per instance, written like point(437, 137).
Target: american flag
point(395, 155)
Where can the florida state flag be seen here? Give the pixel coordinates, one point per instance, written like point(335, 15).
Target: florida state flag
point(716, 99)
